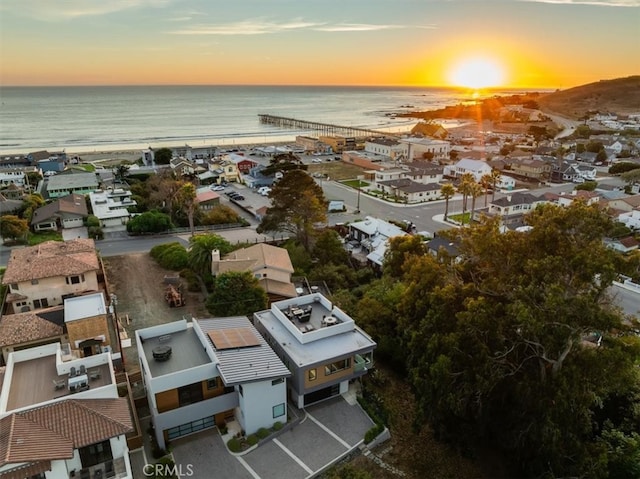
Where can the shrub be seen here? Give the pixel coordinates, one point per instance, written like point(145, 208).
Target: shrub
point(252, 440)
point(170, 255)
point(372, 433)
point(149, 222)
point(623, 167)
point(277, 426)
point(262, 433)
point(234, 444)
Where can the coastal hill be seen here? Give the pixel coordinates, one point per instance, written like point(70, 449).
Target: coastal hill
point(620, 96)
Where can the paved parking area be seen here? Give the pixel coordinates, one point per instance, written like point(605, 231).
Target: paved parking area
point(328, 431)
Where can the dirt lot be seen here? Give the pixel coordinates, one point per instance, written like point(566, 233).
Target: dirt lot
point(137, 281)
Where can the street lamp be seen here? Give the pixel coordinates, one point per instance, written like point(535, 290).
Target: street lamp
point(357, 211)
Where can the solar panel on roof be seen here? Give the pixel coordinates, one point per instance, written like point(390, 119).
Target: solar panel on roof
point(232, 338)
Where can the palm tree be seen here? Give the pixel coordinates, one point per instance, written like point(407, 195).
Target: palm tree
point(485, 181)
point(495, 179)
point(475, 190)
point(466, 180)
point(447, 191)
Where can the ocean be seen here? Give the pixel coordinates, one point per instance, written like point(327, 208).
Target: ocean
point(109, 118)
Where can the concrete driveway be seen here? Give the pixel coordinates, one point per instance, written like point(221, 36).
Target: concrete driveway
point(327, 432)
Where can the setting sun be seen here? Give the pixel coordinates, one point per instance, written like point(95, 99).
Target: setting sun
point(477, 73)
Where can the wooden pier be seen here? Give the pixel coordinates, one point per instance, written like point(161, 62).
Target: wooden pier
point(325, 129)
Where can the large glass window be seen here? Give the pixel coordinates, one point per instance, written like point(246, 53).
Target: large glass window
point(190, 427)
point(312, 374)
point(95, 454)
point(212, 383)
point(337, 366)
point(278, 410)
point(189, 394)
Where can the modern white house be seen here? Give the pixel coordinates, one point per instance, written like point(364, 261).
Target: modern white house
point(62, 418)
point(373, 235)
point(110, 206)
point(320, 344)
point(208, 372)
point(393, 149)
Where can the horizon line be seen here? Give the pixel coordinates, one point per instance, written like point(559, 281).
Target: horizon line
point(298, 85)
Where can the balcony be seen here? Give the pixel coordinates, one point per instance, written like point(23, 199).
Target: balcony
point(113, 469)
point(362, 364)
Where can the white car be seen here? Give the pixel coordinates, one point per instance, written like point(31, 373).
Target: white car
point(217, 188)
point(264, 191)
point(316, 160)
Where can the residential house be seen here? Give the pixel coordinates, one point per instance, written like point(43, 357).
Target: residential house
point(9, 206)
point(87, 326)
point(630, 219)
point(389, 147)
point(626, 204)
point(12, 176)
point(13, 192)
point(409, 191)
point(67, 212)
point(530, 168)
point(111, 206)
point(63, 185)
point(148, 157)
point(432, 130)
point(423, 172)
point(271, 265)
point(589, 197)
point(512, 208)
point(476, 167)
point(373, 235)
point(623, 245)
point(192, 153)
point(14, 161)
point(226, 171)
point(209, 372)
point(337, 143)
point(426, 148)
point(32, 328)
point(506, 183)
point(182, 166)
point(443, 248)
point(62, 417)
point(43, 275)
point(45, 161)
point(255, 178)
point(207, 199)
point(319, 343)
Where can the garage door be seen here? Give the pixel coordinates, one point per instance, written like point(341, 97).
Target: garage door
point(321, 394)
point(190, 427)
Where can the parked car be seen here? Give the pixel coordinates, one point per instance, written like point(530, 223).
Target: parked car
point(217, 188)
point(316, 160)
point(237, 197)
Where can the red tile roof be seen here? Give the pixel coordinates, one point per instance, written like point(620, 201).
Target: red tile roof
point(25, 327)
point(50, 259)
point(53, 431)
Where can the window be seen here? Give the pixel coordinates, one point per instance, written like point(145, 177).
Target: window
point(14, 287)
point(312, 374)
point(190, 427)
point(41, 303)
point(95, 453)
point(189, 394)
point(212, 383)
point(277, 381)
point(278, 410)
point(337, 366)
point(240, 389)
point(34, 281)
point(75, 279)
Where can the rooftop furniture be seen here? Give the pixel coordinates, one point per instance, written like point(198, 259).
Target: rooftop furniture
point(94, 374)
point(59, 384)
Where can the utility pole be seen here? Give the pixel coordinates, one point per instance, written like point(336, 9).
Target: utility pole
point(357, 211)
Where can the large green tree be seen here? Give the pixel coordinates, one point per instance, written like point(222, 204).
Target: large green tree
point(12, 227)
point(200, 250)
point(498, 343)
point(236, 293)
point(297, 205)
point(162, 156)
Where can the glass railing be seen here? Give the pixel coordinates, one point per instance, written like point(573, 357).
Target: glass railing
point(113, 469)
point(362, 363)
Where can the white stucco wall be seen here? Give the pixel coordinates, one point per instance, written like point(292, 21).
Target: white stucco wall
point(256, 405)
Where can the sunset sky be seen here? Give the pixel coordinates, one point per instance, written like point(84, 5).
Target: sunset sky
point(518, 43)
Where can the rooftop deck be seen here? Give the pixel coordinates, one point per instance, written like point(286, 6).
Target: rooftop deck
point(33, 382)
point(187, 352)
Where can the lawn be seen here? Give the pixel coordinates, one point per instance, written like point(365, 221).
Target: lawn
point(37, 238)
point(461, 218)
point(336, 170)
point(355, 183)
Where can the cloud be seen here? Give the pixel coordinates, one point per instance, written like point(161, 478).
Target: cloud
point(597, 3)
point(263, 27)
point(48, 10)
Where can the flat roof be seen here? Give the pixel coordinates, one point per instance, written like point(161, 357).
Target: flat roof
point(187, 352)
point(325, 342)
point(87, 306)
point(32, 382)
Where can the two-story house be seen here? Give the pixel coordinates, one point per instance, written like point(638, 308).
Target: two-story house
point(389, 147)
point(44, 275)
point(111, 206)
point(65, 184)
point(269, 264)
point(62, 418)
point(320, 344)
point(477, 168)
point(209, 372)
point(67, 212)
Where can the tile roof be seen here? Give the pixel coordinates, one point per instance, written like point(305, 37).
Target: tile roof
point(261, 255)
point(50, 259)
point(25, 327)
point(53, 431)
point(207, 196)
